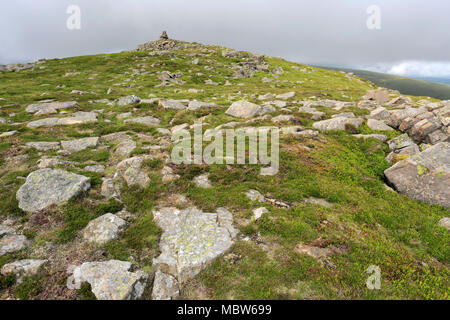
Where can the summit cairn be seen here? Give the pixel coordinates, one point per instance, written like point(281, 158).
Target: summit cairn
point(163, 44)
point(164, 36)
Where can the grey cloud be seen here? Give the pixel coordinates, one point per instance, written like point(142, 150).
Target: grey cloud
point(328, 32)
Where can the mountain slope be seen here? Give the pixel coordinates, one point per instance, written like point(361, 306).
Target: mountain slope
point(329, 214)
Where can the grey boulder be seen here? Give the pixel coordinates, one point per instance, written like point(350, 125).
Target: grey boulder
point(45, 187)
point(425, 176)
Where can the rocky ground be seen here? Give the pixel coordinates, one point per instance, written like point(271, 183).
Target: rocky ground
point(93, 208)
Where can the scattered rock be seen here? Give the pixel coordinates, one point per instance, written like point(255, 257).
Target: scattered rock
point(165, 287)
point(104, 229)
point(196, 105)
point(255, 195)
point(286, 96)
point(148, 121)
point(378, 125)
point(192, 239)
point(77, 118)
point(425, 176)
point(381, 137)
point(12, 243)
point(172, 104)
point(22, 268)
point(79, 144)
point(124, 101)
point(244, 109)
point(8, 134)
point(136, 177)
point(45, 187)
point(43, 146)
point(112, 280)
point(339, 123)
point(202, 181)
point(257, 213)
point(98, 168)
point(168, 175)
point(50, 107)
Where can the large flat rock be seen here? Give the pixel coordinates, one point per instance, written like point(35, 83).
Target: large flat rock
point(425, 176)
point(45, 187)
point(76, 118)
point(244, 109)
point(338, 123)
point(112, 280)
point(192, 239)
point(50, 107)
point(104, 229)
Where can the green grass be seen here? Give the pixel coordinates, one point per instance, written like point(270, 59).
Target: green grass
point(78, 213)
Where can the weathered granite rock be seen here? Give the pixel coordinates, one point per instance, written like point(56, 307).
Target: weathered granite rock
point(43, 146)
point(45, 187)
point(283, 118)
point(5, 230)
point(98, 168)
point(79, 144)
point(46, 162)
point(196, 105)
point(148, 121)
point(110, 188)
point(8, 134)
point(379, 113)
point(125, 144)
point(378, 125)
point(380, 137)
point(104, 229)
point(286, 96)
point(12, 243)
point(258, 212)
point(337, 123)
point(165, 287)
point(77, 118)
point(50, 107)
point(244, 109)
point(136, 177)
point(202, 181)
point(191, 240)
point(112, 280)
point(124, 101)
point(397, 116)
point(425, 176)
point(168, 175)
point(172, 104)
point(400, 142)
point(421, 129)
point(22, 268)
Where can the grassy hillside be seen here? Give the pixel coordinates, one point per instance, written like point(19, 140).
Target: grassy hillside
point(370, 224)
point(404, 85)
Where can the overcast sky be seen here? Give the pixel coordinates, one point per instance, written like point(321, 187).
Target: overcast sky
point(414, 38)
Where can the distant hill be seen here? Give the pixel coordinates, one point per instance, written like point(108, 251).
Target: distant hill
point(405, 85)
